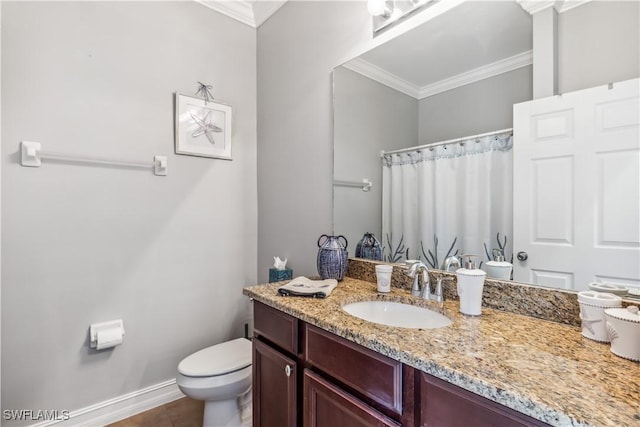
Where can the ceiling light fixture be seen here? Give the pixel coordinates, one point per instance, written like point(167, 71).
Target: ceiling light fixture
point(383, 8)
point(388, 12)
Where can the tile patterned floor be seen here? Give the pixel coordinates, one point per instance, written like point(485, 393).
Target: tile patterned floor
point(183, 412)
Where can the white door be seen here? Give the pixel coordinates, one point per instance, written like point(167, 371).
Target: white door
point(577, 188)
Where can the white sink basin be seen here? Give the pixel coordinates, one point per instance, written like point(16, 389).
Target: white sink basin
point(397, 314)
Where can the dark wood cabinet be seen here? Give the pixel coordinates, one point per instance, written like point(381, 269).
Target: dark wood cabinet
point(308, 377)
point(277, 371)
point(275, 327)
point(375, 377)
point(274, 387)
point(445, 405)
point(327, 405)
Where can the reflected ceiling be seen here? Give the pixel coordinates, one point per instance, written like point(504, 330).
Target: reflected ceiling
point(467, 37)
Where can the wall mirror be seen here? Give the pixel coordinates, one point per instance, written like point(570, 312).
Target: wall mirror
point(453, 79)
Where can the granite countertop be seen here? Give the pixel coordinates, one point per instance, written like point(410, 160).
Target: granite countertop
point(546, 370)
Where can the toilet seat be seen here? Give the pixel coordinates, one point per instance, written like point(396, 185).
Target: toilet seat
point(218, 359)
point(219, 387)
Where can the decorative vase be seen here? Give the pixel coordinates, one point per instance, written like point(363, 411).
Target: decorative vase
point(332, 257)
point(369, 248)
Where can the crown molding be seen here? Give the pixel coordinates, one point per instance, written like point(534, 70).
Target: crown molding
point(256, 12)
point(534, 6)
point(250, 12)
point(238, 10)
point(383, 76)
point(561, 6)
point(262, 10)
point(391, 80)
point(490, 70)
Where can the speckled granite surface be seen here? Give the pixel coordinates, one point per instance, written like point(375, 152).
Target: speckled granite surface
point(556, 305)
point(544, 369)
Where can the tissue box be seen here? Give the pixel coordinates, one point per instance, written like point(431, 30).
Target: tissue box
point(276, 275)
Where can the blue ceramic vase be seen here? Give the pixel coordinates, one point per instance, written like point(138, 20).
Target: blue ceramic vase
point(369, 248)
point(332, 257)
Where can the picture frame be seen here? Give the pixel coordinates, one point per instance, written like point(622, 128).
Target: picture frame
point(203, 128)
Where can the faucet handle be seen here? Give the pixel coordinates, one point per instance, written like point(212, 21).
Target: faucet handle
point(439, 294)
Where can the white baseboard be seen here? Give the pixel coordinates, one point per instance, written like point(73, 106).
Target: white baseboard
point(120, 407)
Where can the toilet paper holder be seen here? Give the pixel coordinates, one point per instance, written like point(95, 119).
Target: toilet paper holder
point(106, 334)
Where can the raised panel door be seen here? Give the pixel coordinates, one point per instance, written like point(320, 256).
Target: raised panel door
point(274, 387)
point(577, 187)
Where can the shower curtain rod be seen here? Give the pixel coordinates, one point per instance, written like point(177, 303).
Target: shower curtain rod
point(449, 141)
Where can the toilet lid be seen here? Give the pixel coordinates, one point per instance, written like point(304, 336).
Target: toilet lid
point(218, 359)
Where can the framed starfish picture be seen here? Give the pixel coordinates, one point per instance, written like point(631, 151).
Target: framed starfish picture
point(203, 128)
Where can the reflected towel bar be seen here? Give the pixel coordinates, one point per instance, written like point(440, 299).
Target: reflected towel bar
point(365, 184)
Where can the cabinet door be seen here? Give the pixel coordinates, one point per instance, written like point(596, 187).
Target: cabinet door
point(326, 405)
point(274, 387)
point(446, 405)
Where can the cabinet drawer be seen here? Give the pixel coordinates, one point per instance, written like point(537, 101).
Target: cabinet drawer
point(275, 326)
point(326, 405)
point(371, 374)
point(444, 404)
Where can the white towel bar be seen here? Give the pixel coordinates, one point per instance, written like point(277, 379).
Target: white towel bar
point(365, 185)
point(32, 156)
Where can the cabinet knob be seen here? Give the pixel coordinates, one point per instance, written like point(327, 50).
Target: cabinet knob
point(522, 256)
point(287, 370)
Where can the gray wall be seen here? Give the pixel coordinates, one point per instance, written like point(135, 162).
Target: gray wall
point(475, 108)
point(368, 117)
point(598, 43)
point(84, 244)
point(298, 48)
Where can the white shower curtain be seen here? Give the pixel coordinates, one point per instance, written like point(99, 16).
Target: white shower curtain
point(459, 192)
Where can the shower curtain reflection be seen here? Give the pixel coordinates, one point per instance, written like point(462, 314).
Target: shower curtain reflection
point(448, 199)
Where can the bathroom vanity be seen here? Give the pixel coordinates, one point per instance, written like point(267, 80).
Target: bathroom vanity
point(336, 382)
point(315, 365)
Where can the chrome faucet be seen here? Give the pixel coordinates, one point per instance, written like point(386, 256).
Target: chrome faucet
point(414, 272)
point(451, 263)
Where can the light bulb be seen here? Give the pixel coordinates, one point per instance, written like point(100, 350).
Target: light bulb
point(376, 7)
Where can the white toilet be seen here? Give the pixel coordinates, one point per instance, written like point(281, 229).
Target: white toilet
point(221, 376)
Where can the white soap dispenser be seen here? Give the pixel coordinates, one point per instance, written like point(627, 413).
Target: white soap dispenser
point(498, 268)
point(470, 282)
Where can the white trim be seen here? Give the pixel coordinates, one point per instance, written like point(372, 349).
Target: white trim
point(490, 70)
point(262, 10)
point(388, 79)
point(383, 76)
point(250, 12)
point(570, 4)
point(121, 407)
point(238, 10)
point(561, 6)
point(535, 6)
